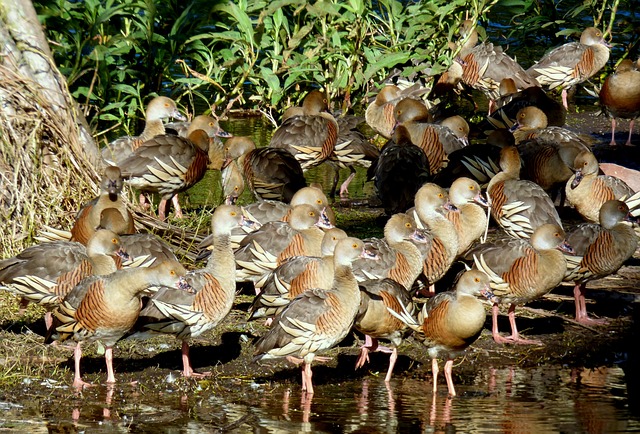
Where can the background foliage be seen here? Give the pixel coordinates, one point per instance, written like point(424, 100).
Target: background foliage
point(256, 54)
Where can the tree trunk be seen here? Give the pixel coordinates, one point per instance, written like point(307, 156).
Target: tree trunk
point(25, 52)
point(49, 162)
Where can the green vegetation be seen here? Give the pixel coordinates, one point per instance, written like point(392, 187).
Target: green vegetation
point(249, 54)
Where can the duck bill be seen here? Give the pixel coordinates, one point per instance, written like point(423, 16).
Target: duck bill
point(113, 190)
point(465, 140)
point(368, 254)
point(323, 220)
point(514, 127)
point(479, 199)
point(223, 133)
point(123, 255)
point(179, 116)
point(488, 294)
point(249, 224)
point(577, 179)
point(450, 207)
point(566, 248)
point(183, 285)
point(631, 219)
point(418, 236)
point(225, 163)
point(230, 199)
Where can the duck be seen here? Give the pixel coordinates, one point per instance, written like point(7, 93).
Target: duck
point(468, 217)
point(88, 217)
point(262, 251)
point(548, 164)
point(294, 276)
point(441, 248)
point(232, 182)
point(521, 271)
point(317, 319)
point(214, 131)
point(352, 149)
point(182, 128)
point(375, 322)
point(435, 140)
point(532, 123)
point(398, 258)
point(270, 173)
point(188, 314)
point(478, 161)
point(379, 114)
point(587, 191)
point(158, 109)
point(620, 96)
point(572, 63)
point(106, 307)
point(266, 211)
point(508, 106)
point(450, 322)
point(143, 248)
point(399, 172)
point(46, 272)
point(169, 164)
point(518, 206)
point(485, 65)
point(599, 250)
point(310, 134)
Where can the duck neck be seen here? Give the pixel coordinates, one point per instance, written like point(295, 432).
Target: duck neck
point(552, 267)
point(103, 264)
point(152, 128)
point(412, 260)
point(471, 312)
point(221, 263)
point(345, 281)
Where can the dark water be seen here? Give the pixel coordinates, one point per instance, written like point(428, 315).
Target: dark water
point(539, 400)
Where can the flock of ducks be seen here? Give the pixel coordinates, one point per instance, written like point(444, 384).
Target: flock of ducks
point(313, 282)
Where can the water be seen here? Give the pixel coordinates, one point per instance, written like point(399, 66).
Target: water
point(509, 400)
point(208, 191)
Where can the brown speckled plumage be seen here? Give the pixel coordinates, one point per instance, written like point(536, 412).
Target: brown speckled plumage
point(572, 63)
point(88, 217)
point(317, 319)
point(105, 308)
point(187, 315)
point(311, 134)
point(518, 206)
point(588, 191)
point(599, 250)
point(262, 251)
point(158, 109)
point(295, 275)
point(522, 270)
point(375, 321)
point(398, 257)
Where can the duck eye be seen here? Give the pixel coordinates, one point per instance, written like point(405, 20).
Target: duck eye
point(476, 280)
point(408, 224)
point(233, 213)
point(354, 245)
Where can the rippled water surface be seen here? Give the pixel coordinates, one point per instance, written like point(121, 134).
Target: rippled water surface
point(540, 400)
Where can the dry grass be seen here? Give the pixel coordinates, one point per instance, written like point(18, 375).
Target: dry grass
point(45, 174)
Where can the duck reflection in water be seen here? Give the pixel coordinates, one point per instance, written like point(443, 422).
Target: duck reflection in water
point(305, 406)
point(106, 410)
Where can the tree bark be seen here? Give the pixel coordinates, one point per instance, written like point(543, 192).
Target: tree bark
point(24, 50)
